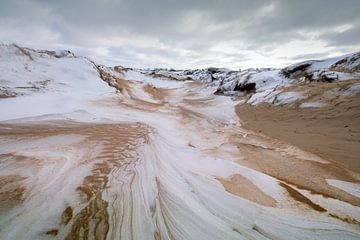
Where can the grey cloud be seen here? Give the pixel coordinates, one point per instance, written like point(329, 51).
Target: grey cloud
point(174, 32)
point(349, 37)
point(310, 56)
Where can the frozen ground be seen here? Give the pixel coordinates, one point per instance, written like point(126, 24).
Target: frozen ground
point(79, 159)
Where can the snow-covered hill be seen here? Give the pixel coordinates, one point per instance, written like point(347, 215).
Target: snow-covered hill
point(43, 82)
point(266, 84)
point(68, 81)
point(327, 70)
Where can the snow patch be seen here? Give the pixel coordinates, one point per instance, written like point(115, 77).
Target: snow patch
point(287, 97)
point(352, 90)
point(133, 75)
point(352, 188)
point(311, 105)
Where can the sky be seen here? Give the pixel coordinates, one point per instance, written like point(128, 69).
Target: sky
point(186, 33)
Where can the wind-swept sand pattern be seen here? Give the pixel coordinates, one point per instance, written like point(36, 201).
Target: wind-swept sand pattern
point(161, 163)
point(109, 154)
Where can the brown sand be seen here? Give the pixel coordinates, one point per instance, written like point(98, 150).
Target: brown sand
point(12, 190)
point(301, 198)
point(156, 93)
point(243, 187)
point(332, 131)
point(304, 174)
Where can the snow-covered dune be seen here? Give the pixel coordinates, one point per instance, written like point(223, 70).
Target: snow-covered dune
point(263, 84)
point(41, 82)
point(93, 152)
point(328, 70)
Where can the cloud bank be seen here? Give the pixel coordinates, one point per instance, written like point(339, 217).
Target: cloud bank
point(186, 34)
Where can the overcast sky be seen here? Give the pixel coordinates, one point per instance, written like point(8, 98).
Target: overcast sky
point(186, 33)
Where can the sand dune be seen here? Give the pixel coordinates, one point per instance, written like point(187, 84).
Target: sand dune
point(135, 161)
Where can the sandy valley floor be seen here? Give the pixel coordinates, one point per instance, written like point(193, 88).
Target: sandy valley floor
point(153, 163)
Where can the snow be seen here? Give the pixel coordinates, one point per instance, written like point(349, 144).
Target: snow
point(267, 80)
point(275, 97)
point(352, 90)
point(70, 84)
point(316, 65)
point(334, 69)
point(133, 75)
point(51, 181)
point(267, 96)
point(350, 62)
point(287, 97)
point(324, 64)
point(352, 188)
point(264, 79)
point(171, 177)
point(311, 105)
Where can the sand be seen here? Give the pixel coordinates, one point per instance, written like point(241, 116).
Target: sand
point(187, 171)
point(118, 141)
point(241, 186)
point(331, 131)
